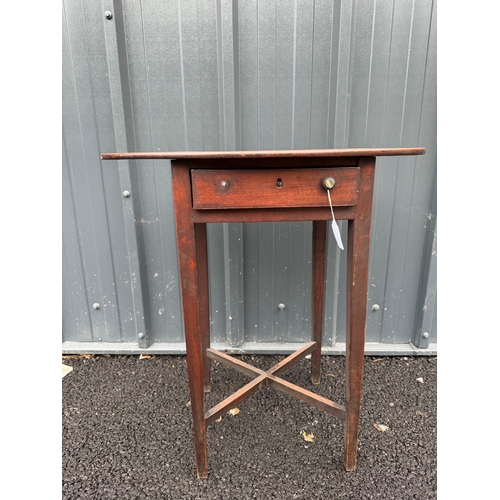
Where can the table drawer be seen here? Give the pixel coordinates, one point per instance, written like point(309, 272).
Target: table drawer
point(213, 189)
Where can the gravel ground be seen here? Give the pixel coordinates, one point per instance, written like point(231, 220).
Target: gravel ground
point(127, 433)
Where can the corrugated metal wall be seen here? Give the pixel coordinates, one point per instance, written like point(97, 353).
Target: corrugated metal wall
point(219, 75)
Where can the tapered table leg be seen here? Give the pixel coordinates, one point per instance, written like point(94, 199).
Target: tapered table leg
point(202, 266)
point(318, 292)
point(186, 245)
point(358, 253)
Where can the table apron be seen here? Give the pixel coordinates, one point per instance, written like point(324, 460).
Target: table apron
point(273, 214)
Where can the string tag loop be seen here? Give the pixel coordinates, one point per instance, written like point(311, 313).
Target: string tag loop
point(335, 227)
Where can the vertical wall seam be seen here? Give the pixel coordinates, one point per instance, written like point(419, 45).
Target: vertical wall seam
point(258, 76)
point(329, 98)
point(426, 258)
point(367, 110)
point(403, 107)
point(413, 160)
point(183, 89)
point(349, 75)
point(387, 72)
point(384, 125)
point(220, 73)
point(106, 219)
point(135, 245)
point(311, 87)
point(237, 76)
point(294, 70)
point(274, 67)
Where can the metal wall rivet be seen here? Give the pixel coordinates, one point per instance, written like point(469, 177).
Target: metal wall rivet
point(425, 335)
point(126, 194)
point(141, 335)
point(108, 14)
point(96, 306)
point(281, 307)
point(375, 307)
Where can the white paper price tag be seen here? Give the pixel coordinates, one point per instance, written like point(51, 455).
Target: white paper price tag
point(335, 227)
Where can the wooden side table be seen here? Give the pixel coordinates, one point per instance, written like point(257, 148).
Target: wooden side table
point(258, 186)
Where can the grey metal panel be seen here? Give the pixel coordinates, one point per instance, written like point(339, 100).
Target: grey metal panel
point(209, 75)
point(76, 321)
point(233, 280)
point(324, 72)
point(334, 322)
point(99, 247)
point(389, 55)
point(217, 264)
point(277, 270)
point(426, 331)
point(401, 297)
point(87, 179)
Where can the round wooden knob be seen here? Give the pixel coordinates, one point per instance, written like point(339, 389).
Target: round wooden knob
point(328, 183)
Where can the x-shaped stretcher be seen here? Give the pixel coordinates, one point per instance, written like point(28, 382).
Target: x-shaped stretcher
point(269, 378)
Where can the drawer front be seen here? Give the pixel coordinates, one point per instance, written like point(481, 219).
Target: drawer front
point(214, 189)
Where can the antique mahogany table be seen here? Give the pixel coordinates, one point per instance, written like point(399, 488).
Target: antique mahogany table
point(257, 186)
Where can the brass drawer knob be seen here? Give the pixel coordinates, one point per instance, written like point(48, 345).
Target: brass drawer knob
point(328, 183)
